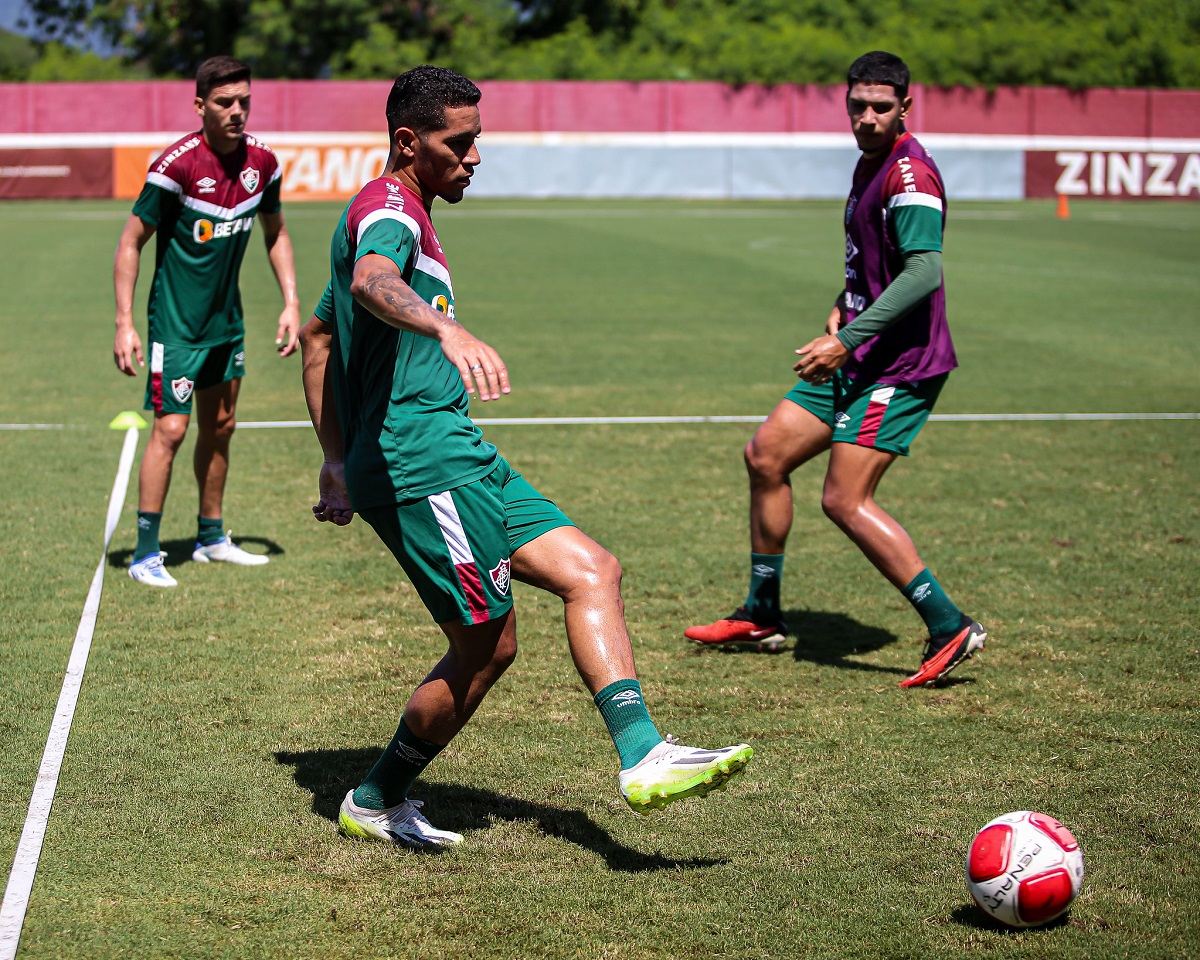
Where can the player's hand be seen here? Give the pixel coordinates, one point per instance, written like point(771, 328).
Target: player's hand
point(478, 364)
point(334, 505)
point(287, 337)
point(820, 359)
point(834, 322)
point(126, 348)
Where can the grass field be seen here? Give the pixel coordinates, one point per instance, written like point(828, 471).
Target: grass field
point(221, 723)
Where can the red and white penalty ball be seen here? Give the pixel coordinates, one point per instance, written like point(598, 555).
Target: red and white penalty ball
point(1024, 869)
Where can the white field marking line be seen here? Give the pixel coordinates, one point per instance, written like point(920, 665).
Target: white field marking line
point(29, 849)
point(559, 421)
point(944, 417)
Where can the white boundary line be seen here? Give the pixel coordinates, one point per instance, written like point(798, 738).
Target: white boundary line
point(557, 421)
point(945, 417)
point(29, 849)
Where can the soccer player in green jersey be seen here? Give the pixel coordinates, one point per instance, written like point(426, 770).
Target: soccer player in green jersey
point(868, 386)
point(387, 372)
point(201, 196)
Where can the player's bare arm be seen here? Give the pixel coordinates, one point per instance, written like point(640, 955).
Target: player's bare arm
point(833, 323)
point(316, 342)
point(379, 287)
point(279, 252)
point(127, 346)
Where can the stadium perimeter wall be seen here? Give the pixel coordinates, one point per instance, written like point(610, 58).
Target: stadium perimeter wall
point(625, 139)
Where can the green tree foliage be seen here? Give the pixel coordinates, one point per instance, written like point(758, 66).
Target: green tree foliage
point(17, 56)
point(1074, 43)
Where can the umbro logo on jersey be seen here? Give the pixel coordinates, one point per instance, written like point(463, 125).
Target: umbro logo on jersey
point(182, 388)
point(626, 697)
point(501, 575)
point(207, 185)
point(922, 592)
point(851, 250)
point(249, 178)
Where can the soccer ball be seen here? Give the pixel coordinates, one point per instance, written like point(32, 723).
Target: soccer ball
point(1024, 869)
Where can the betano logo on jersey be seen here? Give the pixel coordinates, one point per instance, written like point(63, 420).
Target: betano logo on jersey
point(442, 304)
point(205, 230)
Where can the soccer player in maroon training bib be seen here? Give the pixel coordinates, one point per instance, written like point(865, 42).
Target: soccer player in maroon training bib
point(867, 386)
point(202, 196)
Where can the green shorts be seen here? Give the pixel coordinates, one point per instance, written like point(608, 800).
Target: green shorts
point(456, 545)
point(884, 416)
point(177, 372)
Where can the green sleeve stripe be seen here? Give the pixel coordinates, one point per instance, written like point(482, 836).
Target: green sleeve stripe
point(916, 227)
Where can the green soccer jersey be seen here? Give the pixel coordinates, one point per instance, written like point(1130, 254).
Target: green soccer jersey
point(203, 205)
point(401, 404)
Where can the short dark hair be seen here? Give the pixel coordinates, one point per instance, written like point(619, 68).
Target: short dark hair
point(218, 71)
point(880, 67)
point(421, 96)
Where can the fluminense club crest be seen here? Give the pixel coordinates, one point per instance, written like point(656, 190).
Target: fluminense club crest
point(501, 575)
point(249, 178)
point(182, 388)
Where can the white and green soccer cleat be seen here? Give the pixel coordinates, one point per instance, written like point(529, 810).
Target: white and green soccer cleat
point(228, 552)
point(673, 772)
point(151, 571)
point(402, 824)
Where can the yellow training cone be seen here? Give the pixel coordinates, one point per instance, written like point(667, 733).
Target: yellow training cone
point(127, 419)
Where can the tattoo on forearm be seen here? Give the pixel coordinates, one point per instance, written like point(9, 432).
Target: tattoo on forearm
point(398, 297)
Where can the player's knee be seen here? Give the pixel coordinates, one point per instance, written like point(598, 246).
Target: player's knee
point(505, 653)
point(607, 567)
point(837, 506)
point(760, 464)
point(596, 568)
point(224, 427)
point(170, 433)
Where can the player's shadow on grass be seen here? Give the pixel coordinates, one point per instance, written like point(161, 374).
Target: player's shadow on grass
point(328, 774)
point(831, 639)
point(179, 552)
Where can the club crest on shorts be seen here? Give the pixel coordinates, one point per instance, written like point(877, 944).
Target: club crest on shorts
point(182, 388)
point(249, 178)
point(501, 575)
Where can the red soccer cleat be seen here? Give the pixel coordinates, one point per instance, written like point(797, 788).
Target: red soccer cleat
point(944, 653)
point(739, 629)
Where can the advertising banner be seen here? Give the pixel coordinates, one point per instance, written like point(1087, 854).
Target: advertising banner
point(1104, 173)
point(53, 172)
point(316, 170)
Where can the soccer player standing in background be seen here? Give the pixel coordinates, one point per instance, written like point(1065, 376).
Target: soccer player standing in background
point(868, 386)
point(387, 372)
point(201, 196)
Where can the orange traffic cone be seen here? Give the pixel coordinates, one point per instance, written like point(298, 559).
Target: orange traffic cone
point(1064, 208)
